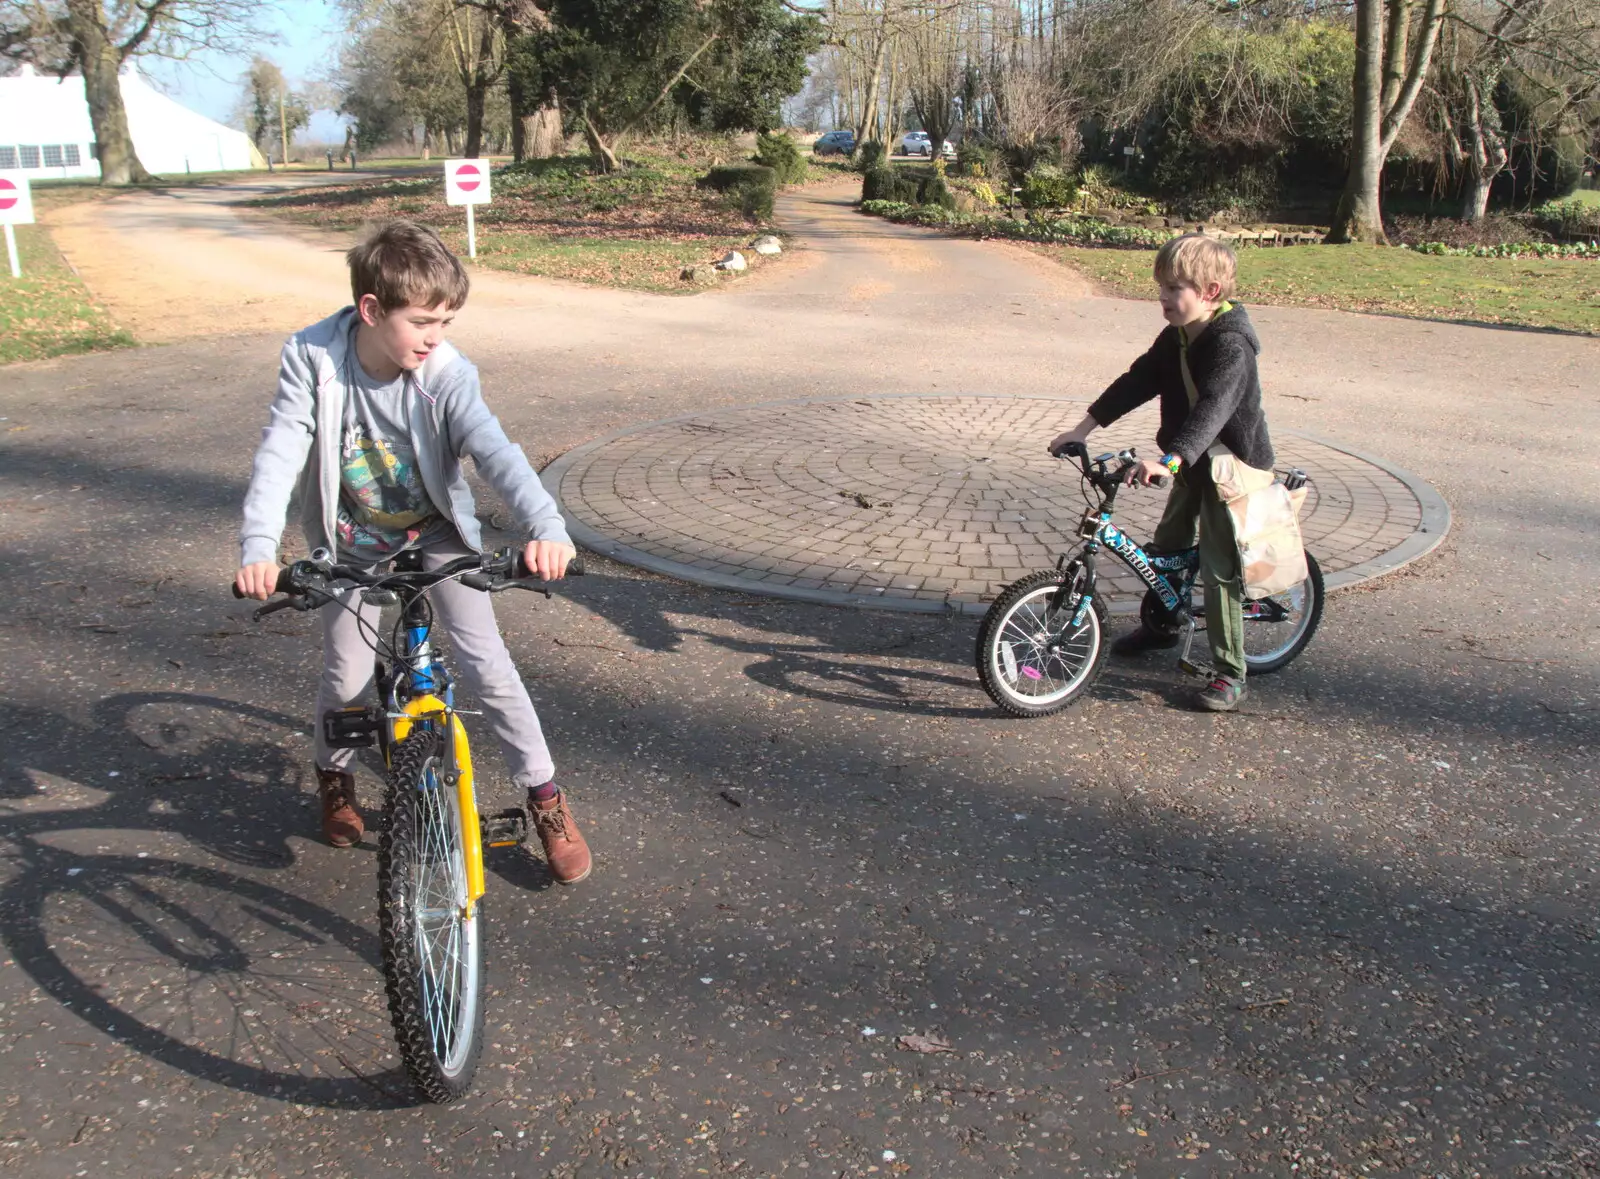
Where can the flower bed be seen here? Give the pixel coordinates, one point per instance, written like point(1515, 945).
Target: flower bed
point(1088, 231)
point(1509, 250)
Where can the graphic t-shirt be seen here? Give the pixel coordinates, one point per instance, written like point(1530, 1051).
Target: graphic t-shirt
point(383, 506)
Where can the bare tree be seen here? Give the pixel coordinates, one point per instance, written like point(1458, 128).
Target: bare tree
point(935, 73)
point(96, 37)
point(1395, 40)
point(1552, 46)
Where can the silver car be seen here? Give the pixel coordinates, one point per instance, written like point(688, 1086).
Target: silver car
point(917, 143)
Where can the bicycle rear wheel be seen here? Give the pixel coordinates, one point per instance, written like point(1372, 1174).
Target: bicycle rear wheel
point(432, 950)
point(1277, 628)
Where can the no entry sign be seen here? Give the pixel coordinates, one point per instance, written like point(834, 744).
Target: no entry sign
point(466, 182)
point(16, 202)
point(16, 208)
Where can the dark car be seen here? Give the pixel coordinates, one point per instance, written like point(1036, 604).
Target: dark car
point(835, 142)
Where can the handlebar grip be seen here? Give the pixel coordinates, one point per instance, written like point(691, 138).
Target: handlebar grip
point(282, 587)
point(523, 573)
point(1161, 481)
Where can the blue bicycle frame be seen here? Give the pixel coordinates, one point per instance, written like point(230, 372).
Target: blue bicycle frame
point(1152, 569)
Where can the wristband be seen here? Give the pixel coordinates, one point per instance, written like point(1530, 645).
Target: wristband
point(1172, 463)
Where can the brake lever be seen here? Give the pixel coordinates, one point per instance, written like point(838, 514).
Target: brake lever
point(535, 587)
point(301, 604)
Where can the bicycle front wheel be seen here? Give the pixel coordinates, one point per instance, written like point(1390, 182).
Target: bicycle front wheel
point(1032, 660)
point(432, 949)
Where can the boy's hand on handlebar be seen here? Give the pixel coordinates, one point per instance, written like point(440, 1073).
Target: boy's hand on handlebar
point(1059, 445)
point(548, 559)
point(1079, 433)
point(258, 581)
point(1146, 472)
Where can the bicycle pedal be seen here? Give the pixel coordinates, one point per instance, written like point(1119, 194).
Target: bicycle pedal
point(351, 728)
point(1200, 670)
point(508, 828)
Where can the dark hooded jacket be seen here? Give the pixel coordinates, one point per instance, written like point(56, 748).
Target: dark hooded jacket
point(1223, 364)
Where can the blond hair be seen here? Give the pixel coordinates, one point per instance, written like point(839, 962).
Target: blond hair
point(403, 264)
point(1197, 261)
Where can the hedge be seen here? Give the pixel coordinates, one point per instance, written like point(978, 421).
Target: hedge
point(1088, 231)
point(779, 153)
point(752, 185)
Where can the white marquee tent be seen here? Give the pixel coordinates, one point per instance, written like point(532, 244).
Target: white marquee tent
point(45, 130)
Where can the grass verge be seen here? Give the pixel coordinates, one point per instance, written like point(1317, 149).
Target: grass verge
point(636, 228)
point(1557, 294)
point(48, 311)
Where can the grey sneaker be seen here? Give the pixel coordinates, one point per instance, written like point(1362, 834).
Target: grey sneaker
point(1222, 694)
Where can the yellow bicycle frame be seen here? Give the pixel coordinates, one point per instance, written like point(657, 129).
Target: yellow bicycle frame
point(466, 798)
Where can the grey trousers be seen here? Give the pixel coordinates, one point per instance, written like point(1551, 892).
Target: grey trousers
point(477, 653)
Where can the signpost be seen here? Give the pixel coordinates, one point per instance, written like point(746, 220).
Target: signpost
point(466, 182)
point(16, 208)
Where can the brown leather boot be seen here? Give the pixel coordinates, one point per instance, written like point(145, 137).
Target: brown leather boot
point(341, 822)
point(564, 847)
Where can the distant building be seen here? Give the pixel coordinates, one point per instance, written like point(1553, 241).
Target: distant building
point(45, 130)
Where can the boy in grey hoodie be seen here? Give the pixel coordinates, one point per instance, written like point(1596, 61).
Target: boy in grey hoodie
point(373, 415)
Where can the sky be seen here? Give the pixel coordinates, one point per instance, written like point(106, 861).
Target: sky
point(305, 38)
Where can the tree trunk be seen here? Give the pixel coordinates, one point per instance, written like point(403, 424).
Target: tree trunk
point(516, 95)
point(1359, 217)
point(605, 160)
point(1485, 150)
point(867, 116)
point(544, 137)
point(100, 61)
point(476, 94)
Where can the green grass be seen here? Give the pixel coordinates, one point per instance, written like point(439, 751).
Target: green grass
point(48, 311)
point(637, 228)
point(635, 265)
point(1557, 294)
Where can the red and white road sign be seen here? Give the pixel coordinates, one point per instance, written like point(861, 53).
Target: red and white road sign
point(466, 182)
point(16, 200)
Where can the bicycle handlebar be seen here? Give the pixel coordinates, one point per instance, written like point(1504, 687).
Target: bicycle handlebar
point(307, 583)
point(1102, 478)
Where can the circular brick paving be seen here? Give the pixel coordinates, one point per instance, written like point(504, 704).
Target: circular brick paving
point(922, 502)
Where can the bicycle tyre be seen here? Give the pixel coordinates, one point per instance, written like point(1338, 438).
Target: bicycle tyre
point(991, 655)
point(1312, 587)
point(435, 988)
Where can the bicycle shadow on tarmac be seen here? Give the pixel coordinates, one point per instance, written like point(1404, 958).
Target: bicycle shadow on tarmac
point(209, 971)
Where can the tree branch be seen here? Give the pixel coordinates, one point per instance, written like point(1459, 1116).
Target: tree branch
point(667, 89)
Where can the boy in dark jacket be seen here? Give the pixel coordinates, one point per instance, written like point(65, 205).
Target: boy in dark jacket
point(1203, 368)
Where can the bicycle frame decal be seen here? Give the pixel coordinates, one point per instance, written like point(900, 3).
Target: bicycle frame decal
point(1120, 543)
point(421, 676)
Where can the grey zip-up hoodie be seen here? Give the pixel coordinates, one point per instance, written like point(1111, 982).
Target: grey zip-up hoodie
point(299, 453)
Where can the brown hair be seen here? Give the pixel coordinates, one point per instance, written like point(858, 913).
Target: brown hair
point(1197, 261)
point(403, 264)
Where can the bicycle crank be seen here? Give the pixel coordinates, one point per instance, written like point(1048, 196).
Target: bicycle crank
point(1185, 664)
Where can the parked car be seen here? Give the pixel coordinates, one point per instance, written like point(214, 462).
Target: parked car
point(835, 143)
point(917, 143)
